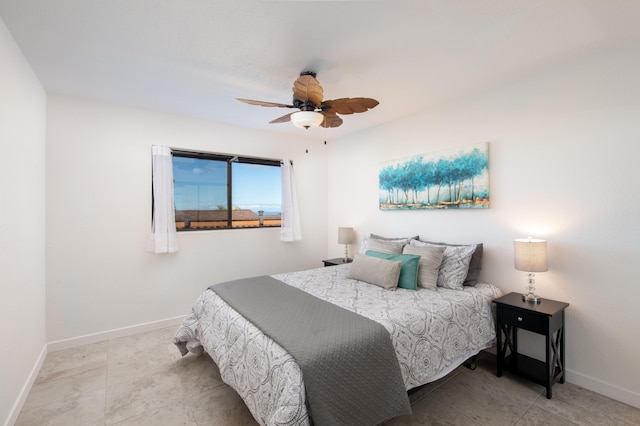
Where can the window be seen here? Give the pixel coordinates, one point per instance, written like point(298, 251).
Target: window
point(219, 191)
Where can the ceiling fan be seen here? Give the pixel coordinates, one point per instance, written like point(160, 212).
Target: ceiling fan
point(313, 110)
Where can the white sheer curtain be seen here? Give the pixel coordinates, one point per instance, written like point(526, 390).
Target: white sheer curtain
point(290, 229)
point(163, 227)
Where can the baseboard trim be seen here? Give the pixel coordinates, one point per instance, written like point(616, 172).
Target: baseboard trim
point(595, 385)
point(111, 334)
point(26, 388)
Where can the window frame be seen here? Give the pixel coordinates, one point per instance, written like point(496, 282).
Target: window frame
point(229, 159)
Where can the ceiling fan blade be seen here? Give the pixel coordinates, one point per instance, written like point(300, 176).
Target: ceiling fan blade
point(350, 105)
point(307, 88)
point(331, 120)
point(282, 119)
point(264, 104)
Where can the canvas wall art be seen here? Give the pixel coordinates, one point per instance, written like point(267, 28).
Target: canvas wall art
point(457, 179)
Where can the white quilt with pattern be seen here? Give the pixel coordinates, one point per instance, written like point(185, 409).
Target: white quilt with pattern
point(433, 332)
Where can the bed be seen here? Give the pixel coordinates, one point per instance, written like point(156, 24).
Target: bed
point(433, 330)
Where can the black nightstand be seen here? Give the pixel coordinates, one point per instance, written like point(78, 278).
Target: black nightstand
point(336, 261)
point(546, 318)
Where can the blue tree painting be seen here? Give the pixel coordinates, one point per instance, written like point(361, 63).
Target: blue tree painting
point(457, 179)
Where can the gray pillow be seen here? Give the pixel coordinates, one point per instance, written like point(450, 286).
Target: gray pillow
point(429, 264)
point(454, 266)
point(381, 272)
point(389, 247)
point(364, 244)
point(396, 239)
point(475, 265)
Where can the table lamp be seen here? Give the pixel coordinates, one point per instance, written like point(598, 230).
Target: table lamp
point(530, 255)
point(346, 237)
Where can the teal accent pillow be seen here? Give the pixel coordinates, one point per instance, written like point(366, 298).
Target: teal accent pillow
point(409, 270)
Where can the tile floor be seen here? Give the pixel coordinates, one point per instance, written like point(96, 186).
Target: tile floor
point(142, 380)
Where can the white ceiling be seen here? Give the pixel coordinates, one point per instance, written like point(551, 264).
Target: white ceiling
point(194, 57)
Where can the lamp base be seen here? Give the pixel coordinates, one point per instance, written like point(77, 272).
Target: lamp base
point(345, 259)
point(531, 298)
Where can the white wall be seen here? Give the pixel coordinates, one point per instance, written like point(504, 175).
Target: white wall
point(564, 150)
point(99, 277)
point(22, 222)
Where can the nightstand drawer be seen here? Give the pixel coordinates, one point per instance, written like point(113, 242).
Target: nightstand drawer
point(524, 320)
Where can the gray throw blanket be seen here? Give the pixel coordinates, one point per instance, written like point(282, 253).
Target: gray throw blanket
point(348, 363)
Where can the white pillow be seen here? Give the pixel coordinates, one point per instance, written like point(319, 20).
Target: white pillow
point(373, 270)
point(429, 264)
point(455, 264)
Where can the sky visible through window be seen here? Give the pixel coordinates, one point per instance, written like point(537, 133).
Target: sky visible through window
point(201, 184)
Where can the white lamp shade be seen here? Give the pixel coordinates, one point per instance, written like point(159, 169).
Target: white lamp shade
point(307, 119)
point(530, 255)
point(345, 235)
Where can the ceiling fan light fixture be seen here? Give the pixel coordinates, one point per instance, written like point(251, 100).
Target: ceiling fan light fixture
point(315, 111)
point(307, 119)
